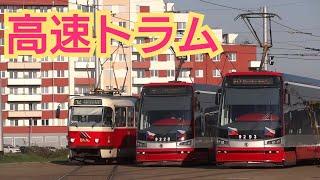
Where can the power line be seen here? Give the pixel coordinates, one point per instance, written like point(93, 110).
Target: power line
point(225, 6)
point(292, 58)
point(286, 4)
point(247, 10)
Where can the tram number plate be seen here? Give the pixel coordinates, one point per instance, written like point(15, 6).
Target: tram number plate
point(250, 136)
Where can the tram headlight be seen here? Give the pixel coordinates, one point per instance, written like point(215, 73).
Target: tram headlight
point(185, 143)
point(273, 141)
point(141, 144)
point(72, 140)
point(222, 142)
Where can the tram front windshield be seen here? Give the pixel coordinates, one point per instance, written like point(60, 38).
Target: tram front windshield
point(165, 116)
point(250, 113)
point(91, 116)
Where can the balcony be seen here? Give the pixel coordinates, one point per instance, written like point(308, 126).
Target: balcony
point(27, 82)
point(24, 114)
point(162, 65)
point(152, 80)
point(22, 97)
point(24, 65)
point(84, 65)
point(141, 64)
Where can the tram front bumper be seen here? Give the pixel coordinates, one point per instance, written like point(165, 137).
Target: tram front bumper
point(250, 156)
point(166, 156)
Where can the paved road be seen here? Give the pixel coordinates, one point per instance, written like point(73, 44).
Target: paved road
point(65, 171)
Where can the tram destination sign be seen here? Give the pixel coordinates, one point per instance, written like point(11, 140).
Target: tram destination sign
point(88, 102)
point(167, 91)
point(253, 81)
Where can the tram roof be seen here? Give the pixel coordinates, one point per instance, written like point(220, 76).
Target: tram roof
point(200, 87)
point(301, 80)
point(254, 73)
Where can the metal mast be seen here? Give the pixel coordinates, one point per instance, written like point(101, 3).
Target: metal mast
point(96, 60)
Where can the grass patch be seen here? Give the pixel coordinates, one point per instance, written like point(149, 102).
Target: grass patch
point(35, 155)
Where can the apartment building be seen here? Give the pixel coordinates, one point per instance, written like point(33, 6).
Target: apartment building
point(32, 89)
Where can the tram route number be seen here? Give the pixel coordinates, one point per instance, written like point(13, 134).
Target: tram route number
point(247, 136)
point(88, 102)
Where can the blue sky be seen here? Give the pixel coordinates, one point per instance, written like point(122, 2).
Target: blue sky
point(303, 15)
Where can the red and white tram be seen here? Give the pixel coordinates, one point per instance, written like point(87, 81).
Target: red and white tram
point(102, 127)
point(177, 123)
point(267, 118)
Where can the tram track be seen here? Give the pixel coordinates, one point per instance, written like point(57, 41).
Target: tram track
point(70, 172)
point(112, 173)
point(73, 173)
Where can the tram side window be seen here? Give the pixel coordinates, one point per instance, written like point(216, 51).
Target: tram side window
point(211, 119)
point(298, 117)
point(307, 122)
point(288, 122)
point(107, 116)
point(120, 118)
point(130, 117)
point(317, 117)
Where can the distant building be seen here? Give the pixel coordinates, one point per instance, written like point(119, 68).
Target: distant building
point(34, 88)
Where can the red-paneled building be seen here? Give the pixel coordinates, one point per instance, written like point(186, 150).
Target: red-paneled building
point(33, 88)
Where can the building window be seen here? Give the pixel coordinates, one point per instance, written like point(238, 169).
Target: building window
point(13, 91)
point(60, 89)
point(199, 73)
point(44, 74)
point(32, 106)
point(28, 59)
point(2, 8)
point(60, 73)
point(154, 73)
point(2, 74)
point(154, 58)
point(1, 25)
point(60, 58)
point(184, 73)
point(13, 75)
point(216, 58)
point(43, 9)
point(34, 122)
point(1, 41)
point(60, 9)
point(216, 73)
point(123, 24)
point(232, 56)
point(139, 40)
point(14, 107)
point(44, 90)
point(81, 89)
point(14, 122)
point(32, 90)
point(170, 73)
point(140, 73)
point(198, 57)
point(44, 58)
point(181, 25)
point(45, 122)
point(45, 106)
point(30, 75)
